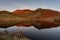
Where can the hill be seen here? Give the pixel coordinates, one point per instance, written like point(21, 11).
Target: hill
point(42, 14)
point(23, 13)
point(8, 19)
point(45, 13)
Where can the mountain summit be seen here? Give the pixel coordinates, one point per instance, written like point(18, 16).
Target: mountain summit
point(25, 11)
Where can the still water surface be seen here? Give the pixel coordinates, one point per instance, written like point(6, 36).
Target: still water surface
point(36, 34)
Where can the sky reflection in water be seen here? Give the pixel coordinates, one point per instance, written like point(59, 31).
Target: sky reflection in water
point(35, 34)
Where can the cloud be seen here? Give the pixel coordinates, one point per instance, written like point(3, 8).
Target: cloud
point(21, 6)
point(13, 6)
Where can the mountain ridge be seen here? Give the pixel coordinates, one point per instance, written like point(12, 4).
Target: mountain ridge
point(40, 18)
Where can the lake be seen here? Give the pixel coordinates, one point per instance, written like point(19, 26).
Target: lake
point(36, 34)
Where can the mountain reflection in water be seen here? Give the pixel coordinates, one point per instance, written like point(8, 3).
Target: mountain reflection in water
point(35, 34)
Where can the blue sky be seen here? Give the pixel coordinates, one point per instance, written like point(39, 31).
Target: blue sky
point(11, 5)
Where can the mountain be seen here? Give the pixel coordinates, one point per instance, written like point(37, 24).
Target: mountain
point(40, 18)
point(41, 14)
point(46, 13)
point(47, 18)
point(23, 13)
point(8, 19)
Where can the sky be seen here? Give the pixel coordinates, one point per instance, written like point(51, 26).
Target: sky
point(12, 5)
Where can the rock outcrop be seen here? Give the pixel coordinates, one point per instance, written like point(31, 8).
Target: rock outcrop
point(14, 36)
